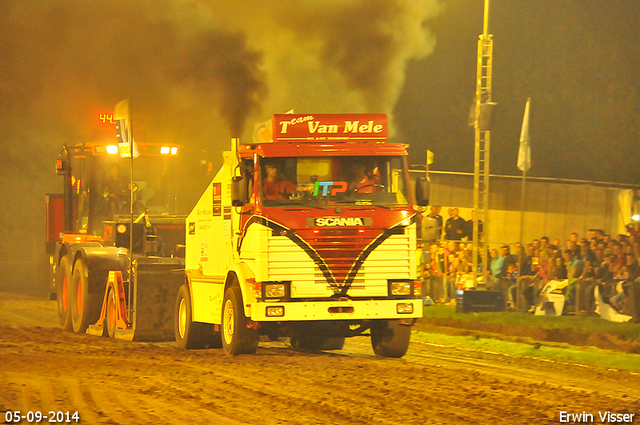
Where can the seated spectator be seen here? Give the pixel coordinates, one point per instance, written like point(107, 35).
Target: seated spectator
point(587, 257)
point(574, 265)
point(560, 269)
point(511, 279)
point(525, 277)
point(496, 264)
point(621, 301)
point(508, 258)
point(618, 261)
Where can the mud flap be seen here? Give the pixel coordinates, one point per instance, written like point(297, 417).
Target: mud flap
point(157, 284)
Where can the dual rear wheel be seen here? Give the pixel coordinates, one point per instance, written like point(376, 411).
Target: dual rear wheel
point(78, 306)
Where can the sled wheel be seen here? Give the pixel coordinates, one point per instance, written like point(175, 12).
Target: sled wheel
point(111, 312)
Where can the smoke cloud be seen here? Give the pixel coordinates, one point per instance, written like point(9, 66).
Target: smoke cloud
point(196, 72)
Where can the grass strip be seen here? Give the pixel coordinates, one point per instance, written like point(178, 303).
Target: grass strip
point(588, 355)
point(584, 323)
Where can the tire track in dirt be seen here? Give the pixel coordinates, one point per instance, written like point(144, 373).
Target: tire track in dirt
point(111, 382)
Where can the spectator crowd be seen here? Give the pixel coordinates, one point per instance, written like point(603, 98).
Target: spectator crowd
point(595, 265)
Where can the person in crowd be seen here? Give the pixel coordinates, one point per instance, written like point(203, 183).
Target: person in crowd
point(599, 259)
point(511, 279)
point(501, 278)
point(587, 257)
point(508, 258)
point(469, 254)
point(575, 268)
point(560, 272)
point(605, 276)
point(525, 279)
point(434, 213)
point(544, 243)
point(573, 237)
point(454, 228)
point(574, 265)
point(631, 268)
point(618, 260)
point(496, 265)
point(469, 227)
point(438, 272)
point(452, 265)
point(621, 301)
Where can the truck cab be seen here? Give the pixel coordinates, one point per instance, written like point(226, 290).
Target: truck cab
point(309, 236)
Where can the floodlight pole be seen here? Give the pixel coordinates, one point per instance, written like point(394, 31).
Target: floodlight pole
point(482, 151)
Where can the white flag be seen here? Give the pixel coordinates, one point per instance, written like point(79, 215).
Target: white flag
point(123, 130)
point(524, 153)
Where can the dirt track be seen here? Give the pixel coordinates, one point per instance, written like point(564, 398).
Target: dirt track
point(118, 382)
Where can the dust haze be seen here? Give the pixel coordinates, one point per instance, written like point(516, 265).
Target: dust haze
point(196, 73)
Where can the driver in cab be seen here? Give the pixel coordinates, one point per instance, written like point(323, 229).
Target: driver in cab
point(363, 182)
point(275, 187)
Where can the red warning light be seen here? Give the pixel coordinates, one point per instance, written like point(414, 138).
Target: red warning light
point(121, 228)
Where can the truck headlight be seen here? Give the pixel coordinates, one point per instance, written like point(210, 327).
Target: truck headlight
point(400, 287)
point(274, 290)
point(404, 308)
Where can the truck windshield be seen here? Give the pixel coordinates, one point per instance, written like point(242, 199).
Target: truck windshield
point(321, 181)
point(100, 188)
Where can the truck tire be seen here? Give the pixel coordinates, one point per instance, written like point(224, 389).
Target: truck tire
point(63, 281)
point(389, 338)
point(317, 343)
point(85, 306)
point(237, 336)
point(190, 334)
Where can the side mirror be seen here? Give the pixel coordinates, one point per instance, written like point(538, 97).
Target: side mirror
point(423, 186)
point(238, 191)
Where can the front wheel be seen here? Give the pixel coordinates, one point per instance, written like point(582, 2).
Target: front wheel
point(237, 335)
point(390, 338)
point(190, 334)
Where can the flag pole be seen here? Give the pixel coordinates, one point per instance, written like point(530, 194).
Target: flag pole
point(524, 162)
point(522, 206)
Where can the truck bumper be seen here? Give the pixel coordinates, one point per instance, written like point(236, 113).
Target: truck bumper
point(337, 310)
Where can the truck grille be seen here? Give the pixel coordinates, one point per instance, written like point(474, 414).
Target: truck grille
point(339, 248)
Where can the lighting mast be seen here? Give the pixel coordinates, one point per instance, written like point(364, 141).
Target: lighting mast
point(482, 123)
